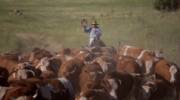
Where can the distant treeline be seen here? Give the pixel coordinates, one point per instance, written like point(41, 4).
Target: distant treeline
point(167, 5)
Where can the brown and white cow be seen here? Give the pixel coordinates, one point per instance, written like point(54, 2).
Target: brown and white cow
point(119, 85)
point(147, 57)
point(94, 91)
point(91, 73)
point(107, 63)
point(8, 61)
point(37, 54)
point(55, 89)
point(20, 90)
point(23, 71)
point(71, 70)
point(155, 90)
point(130, 65)
point(49, 67)
point(166, 70)
point(17, 93)
point(169, 72)
point(136, 52)
point(35, 89)
point(129, 51)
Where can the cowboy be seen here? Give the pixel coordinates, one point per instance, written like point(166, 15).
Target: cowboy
point(94, 31)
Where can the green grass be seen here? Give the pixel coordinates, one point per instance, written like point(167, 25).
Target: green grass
point(55, 23)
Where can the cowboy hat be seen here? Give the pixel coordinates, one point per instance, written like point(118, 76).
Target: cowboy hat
point(94, 23)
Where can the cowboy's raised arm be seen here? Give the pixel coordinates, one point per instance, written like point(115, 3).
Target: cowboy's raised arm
point(85, 26)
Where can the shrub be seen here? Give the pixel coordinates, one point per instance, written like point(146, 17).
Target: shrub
point(168, 5)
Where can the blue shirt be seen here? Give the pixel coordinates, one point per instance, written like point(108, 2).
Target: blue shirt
point(93, 32)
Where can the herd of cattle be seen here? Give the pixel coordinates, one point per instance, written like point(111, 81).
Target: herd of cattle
point(96, 73)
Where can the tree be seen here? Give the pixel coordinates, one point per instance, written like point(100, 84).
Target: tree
point(168, 5)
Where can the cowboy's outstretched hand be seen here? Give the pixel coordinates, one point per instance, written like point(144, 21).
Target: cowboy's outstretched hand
point(84, 22)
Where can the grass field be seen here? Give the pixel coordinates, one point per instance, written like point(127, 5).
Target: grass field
point(56, 23)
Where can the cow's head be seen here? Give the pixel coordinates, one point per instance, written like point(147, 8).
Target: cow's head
point(107, 63)
point(173, 70)
point(112, 84)
point(146, 90)
point(23, 71)
point(148, 66)
point(159, 53)
point(43, 64)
